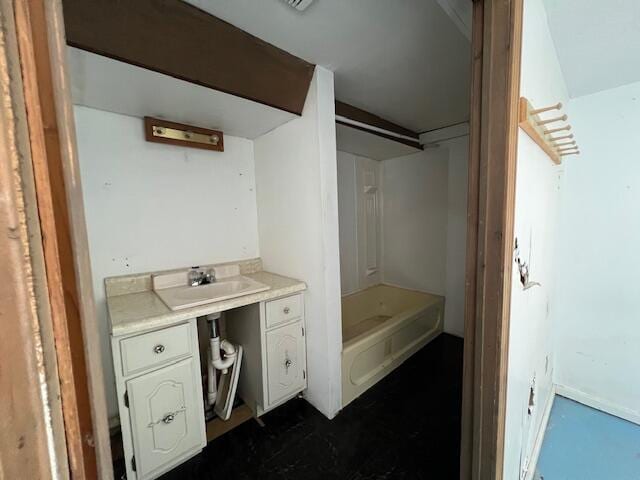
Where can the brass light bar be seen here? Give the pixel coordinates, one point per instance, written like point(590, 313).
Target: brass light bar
point(163, 131)
point(188, 135)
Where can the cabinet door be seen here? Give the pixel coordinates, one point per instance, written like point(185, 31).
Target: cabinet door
point(167, 417)
point(285, 362)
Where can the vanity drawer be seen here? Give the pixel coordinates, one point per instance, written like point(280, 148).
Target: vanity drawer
point(283, 310)
point(155, 348)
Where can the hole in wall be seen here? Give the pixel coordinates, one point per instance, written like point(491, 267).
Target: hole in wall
point(532, 398)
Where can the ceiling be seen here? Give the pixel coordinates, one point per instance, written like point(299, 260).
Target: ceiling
point(598, 42)
point(406, 61)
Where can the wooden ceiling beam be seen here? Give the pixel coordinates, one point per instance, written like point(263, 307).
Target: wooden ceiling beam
point(177, 39)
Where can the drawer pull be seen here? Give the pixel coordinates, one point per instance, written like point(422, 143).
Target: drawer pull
point(168, 418)
point(158, 348)
point(286, 310)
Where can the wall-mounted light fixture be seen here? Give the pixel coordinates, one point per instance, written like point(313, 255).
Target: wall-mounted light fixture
point(163, 131)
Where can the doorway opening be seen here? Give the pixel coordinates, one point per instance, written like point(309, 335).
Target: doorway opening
point(311, 249)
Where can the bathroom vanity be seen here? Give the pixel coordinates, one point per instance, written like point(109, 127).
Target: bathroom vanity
point(272, 334)
point(157, 362)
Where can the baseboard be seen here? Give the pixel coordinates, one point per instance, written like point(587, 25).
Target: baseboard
point(598, 403)
point(537, 445)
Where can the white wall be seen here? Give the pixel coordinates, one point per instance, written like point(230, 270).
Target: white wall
point(597, 314)
point(537, 202)
point(151, 206)
point(414, 218)
point(456, 234)
point(348, 219)
point(425, 224)
point(298, 225)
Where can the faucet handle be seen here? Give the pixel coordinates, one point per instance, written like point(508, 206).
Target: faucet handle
point(210, 276)
point(195, 276)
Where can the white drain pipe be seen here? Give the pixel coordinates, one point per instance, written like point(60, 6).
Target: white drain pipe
point(215, 361)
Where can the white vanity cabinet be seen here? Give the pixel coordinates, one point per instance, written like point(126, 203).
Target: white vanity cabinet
point(273, 337)
point(160, 398)
point(285, 362)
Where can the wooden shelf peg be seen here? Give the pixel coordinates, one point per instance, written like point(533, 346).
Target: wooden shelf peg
point(535, 126)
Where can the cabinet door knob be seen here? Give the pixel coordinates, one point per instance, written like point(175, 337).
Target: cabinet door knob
point(287, 363)
point(286, 310)
point(168, 418)
point(158, 348)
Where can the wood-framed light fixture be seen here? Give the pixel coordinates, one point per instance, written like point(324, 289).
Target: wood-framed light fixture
point(173, 133)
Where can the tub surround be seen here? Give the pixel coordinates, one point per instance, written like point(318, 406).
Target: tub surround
point(134, 306)
point(382, 326)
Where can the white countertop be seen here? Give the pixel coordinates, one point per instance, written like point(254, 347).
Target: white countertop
point(143, 310)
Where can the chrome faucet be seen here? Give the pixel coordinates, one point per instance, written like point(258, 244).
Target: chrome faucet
point(198, 277)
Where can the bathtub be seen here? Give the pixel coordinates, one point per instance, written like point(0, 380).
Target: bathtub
point(382, 326)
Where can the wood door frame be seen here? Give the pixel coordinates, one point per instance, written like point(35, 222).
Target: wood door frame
point(495, 91)
point(30, 414)
point(42, 109)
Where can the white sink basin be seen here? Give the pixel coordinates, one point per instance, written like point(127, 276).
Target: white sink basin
point(179, 298)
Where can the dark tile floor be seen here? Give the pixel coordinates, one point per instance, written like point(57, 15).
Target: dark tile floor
point(405, 427)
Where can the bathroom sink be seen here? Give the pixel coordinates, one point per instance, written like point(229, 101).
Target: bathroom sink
point(178, 298)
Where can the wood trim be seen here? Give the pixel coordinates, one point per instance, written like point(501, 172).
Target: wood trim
point(496, 48)
point(52, 21)
point(469, 441)
point(177, 39)
point(25, 412)
point(150, 122)
point(37, 136)
point(58, 194)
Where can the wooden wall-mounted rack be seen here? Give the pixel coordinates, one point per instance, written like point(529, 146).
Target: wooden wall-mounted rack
point(555, 141)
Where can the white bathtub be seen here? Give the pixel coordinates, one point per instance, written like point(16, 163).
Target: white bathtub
point(382, 326)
